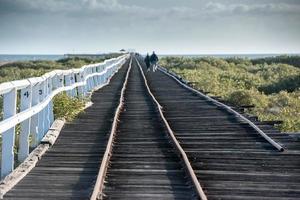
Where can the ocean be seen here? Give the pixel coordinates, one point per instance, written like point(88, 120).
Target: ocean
point(11, 57)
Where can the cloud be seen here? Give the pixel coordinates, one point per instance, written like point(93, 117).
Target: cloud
point(91, 7)
point(259, 8)
point(110, 8)
point(85, 24)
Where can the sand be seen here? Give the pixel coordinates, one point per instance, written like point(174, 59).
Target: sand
point(3, 62)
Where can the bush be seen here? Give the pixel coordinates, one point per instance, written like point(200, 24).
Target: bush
point(67, 107)
point(248, 97)
point(291, 60)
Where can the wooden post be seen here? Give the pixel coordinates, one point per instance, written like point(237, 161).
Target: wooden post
point(90, 81)
point(102, 76)
point(86, 82)
point(68, 82)
point(26, 99)
point(95, 78)
point(98, 76)
point(47, 108)
point(35, 118)
point(41, 115)
point(61, 81)
point(8, 137)
point(74, 91)
point(54, 84)
point(80, 78)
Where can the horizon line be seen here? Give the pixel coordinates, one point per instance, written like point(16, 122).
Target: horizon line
point(54, 54)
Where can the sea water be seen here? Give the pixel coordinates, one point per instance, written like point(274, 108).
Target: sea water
point(11, 57)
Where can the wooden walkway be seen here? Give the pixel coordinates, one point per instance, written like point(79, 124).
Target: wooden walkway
point(229, 158)
point(144, 164)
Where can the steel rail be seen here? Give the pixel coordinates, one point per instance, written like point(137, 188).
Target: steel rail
point(187, 163)
point(229, 109)
point(98, 188)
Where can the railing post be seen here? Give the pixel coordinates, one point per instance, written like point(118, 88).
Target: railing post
point(47, 108)
point(98, 69)
point(90, 81)
point(61, 81)
point(105, 74)
point(35, 118)
point(101, 76)
point(73, 91)
point(26, 99)
point(80, 89)
point(53, 84)
point(86, 86)
point(68, 82)
point(110, 71)
point(8, 137)
point(95, 79)
point(41, 115)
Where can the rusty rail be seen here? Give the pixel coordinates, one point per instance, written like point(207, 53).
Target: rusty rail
point(187, 163)
point(97, 192)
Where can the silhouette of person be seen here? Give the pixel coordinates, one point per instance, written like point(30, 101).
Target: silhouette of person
point(153, 61)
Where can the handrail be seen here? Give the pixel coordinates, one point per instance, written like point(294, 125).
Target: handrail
point(20, 84)
point(228, 108)
point(36, 107)
point(20, 117)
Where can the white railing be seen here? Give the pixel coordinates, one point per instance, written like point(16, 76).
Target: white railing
point(36, 108)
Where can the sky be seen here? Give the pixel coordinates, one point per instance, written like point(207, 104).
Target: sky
point(166, 26)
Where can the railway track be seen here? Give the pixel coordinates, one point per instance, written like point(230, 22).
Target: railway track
point(143, 161)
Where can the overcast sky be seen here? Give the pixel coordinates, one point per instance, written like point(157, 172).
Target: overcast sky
point(167, 26)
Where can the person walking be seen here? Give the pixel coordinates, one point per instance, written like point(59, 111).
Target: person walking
point(153, 61)
point(147, 61)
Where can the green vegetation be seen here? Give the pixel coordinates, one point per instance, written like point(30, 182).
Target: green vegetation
point(67, 107)
point(291, 60)
point(27, 69)
point(274, 89)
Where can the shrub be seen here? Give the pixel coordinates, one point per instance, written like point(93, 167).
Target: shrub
point(67, 107)
point(248, 97)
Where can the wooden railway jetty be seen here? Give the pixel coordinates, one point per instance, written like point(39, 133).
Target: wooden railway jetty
point(151, 136)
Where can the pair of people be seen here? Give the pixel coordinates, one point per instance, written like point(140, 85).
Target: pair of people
point(151, 61)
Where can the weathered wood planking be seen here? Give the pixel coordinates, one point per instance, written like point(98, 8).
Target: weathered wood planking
point(144, 163)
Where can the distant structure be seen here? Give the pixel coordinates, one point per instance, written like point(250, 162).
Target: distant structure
point(94, 56)
point(127, 50)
